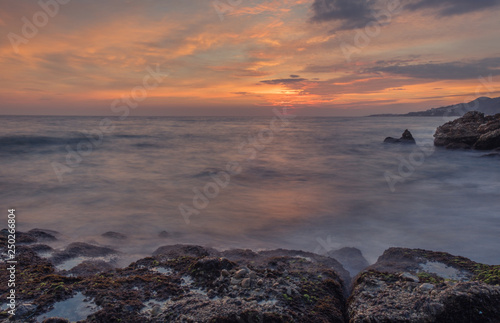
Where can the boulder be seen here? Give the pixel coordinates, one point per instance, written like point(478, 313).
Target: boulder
point(473, 130)
point(488, 141)
point(114, 235)
point(81, 249)
point(414, 285)
point(406, 138)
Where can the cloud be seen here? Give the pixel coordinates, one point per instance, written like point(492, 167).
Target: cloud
point(452, 7)
point(351, 13)
point(320, 68)
point(294, 76)
point(284, 81)
point(444, 71)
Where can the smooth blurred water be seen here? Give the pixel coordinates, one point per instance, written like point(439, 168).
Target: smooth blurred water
point(318, 184)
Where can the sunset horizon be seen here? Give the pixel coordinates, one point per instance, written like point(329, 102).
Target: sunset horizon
point(317, 58)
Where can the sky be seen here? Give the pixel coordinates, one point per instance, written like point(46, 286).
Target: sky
point(242, 57)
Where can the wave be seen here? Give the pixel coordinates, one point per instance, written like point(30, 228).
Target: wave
point(22, 144)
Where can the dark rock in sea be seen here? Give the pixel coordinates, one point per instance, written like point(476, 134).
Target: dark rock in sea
point(179, 250)
point(42, 234)
point(413, 285)
point(40, 248)
point(21, 237)
point(351, 259)
point(114, 235)
point(164, 234)
point(473, 130)
point(81, 249)
point(406, 138)
point(90, 267)
point(488, 141)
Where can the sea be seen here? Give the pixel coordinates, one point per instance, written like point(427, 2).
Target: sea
point(308, 183)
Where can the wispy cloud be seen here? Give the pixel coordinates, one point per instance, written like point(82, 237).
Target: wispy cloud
point(350, 13)
point(284, 81)
point(444, 71)
point(452, 7)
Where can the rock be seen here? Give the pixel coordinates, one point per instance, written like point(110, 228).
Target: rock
point(114, 235)
point(164, 234)
point(25, 309)
point(175, 251)
point(351, 258)
point(21, 237)
point(41, 234)
point(41, 248)
point(245, 283)
point(406, 138)
point(241, 273)
point(410, 277)
point(90, 268)
point(448, 289)
point(427, 287)
point(224, 273)
point(81, 249)
point(488, 141)
point(473, 130)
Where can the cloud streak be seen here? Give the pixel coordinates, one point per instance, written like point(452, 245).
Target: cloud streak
point(350, 13)
point(452, 7)
point(444, 71)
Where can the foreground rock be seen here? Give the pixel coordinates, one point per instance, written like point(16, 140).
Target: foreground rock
point(472, 131)
point(187, 283)
point(406, 138)
point(412, 285)
point(79, 250)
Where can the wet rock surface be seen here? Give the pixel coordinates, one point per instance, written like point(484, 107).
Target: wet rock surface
point(406, 138)
point(186, 283)
point(413, 285)
point(114, 235)
point(472, 131)
point(81, 249)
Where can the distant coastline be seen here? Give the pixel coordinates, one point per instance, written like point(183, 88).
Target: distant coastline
point(486, 105)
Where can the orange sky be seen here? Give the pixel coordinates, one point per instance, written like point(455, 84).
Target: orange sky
point(244, 57)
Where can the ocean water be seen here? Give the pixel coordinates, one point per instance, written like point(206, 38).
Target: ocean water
point(315, 184)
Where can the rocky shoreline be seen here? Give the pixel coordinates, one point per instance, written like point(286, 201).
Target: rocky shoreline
point(472, 131)
point(188, 283)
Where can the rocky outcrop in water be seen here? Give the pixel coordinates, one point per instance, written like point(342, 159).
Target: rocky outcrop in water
point(406, 138)
point(187, 283)
point(472, 131)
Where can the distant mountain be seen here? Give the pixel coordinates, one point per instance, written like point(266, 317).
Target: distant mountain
point(486, 105)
